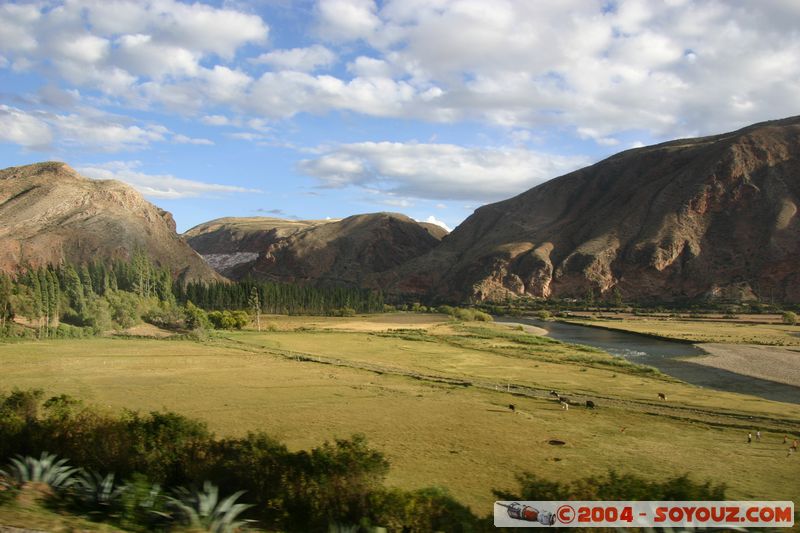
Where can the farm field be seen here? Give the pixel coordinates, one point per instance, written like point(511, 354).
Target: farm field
point(434, 396)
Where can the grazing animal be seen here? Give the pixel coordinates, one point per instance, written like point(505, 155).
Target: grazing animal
point(554, 394)
point(662, 396)
point(512, 407)
point(589, 404)
point(563, 399)
point(564, 405)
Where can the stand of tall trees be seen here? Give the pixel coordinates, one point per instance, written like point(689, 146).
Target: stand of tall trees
point(77, 300)
point(280, 298)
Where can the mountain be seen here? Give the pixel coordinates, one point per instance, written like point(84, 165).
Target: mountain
point(712, 217)
point(234, 243)
point(49, 213)
point(344, 252)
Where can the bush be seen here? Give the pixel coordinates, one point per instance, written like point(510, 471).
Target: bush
point(789, 317)
point(430, 509)
point(222, 319)
point(544, 315)
point(125, 308)
point(446, 310)
point(480, 316)
point(195, 318)
point(66, 331)
point(168, 315)
point(464, 314)
point(240, 319)
point(613, 486)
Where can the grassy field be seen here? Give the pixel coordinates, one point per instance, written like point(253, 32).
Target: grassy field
point(725, 331)
point(433, 395)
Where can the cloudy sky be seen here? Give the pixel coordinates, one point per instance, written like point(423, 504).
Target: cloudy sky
point(328, 108)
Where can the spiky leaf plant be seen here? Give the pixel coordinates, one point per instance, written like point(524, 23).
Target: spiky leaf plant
point(96, 492)
point(205, 511)
point(48, 469)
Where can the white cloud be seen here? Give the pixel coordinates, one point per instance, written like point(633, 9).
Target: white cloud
point(436, 171)
point(113, 46)
point(105, 132)
point(86, 127)
point(218, 120)
point(347, 20)
point(27, 130)
point(299, 59)
point(596, 69)
point(183, 139)
point(433, 220)
point(163, 186)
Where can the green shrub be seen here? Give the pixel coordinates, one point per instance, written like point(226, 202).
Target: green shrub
point(613, 486)
point(223, 320)
point(240, 319)
point(167, 315)
point(195, 318)
point(480, 316)
point(431, 509)
point(464, 314)
point(789, 317)
point(446, 310)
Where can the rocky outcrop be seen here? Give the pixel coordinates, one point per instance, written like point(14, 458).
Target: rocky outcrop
point(712, 217)
point(50, 214)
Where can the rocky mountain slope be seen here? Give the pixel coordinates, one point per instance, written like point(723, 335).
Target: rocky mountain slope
point(234, 243)
point(345, 252)
point(50, 213)
point(693, 218)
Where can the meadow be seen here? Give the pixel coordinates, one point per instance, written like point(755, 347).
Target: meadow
point(433, 394)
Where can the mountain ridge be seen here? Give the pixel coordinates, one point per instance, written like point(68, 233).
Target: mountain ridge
point(50, 214)
point(652, 222)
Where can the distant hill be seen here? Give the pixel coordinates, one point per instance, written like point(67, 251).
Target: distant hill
point(49, 213)
point(712, 217)
point(345, 252)
point(233, 243)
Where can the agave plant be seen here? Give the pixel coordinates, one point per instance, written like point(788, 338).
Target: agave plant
point(205, 511)
point(97, 492)
point(48, 469)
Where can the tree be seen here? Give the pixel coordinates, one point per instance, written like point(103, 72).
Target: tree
point(617, 297)
point(789, 318)
point(73, 288)
point(255, 306)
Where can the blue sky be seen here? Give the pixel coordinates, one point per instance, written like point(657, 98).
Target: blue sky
point(329, 108)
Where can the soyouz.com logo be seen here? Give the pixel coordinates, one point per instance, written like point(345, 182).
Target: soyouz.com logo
point(643, 514)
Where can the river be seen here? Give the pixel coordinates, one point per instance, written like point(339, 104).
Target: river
point(671, 357)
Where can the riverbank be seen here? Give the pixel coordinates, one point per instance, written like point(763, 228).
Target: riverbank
point(772, 363)
point(700, 331)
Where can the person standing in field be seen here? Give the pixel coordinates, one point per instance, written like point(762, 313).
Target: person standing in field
point(758, 436)
point(749, 438)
